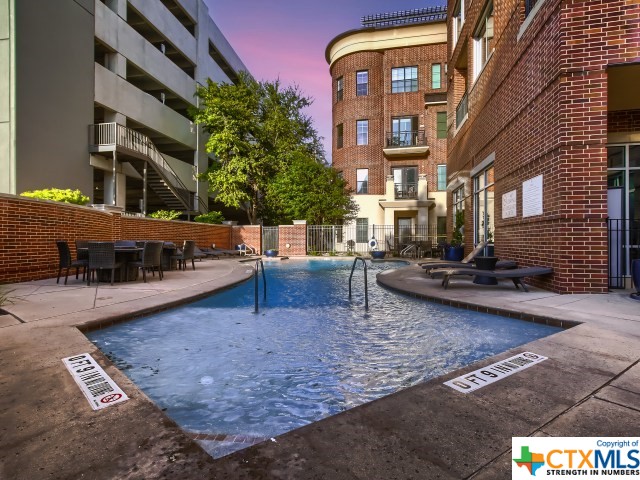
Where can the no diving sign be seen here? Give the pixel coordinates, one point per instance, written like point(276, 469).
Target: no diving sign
point(99, 389)
point(494, 372)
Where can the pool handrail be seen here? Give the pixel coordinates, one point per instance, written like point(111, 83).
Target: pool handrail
point(366, 290)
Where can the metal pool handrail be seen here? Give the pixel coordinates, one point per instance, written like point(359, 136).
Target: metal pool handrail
point(366, 290)
point(264, 281)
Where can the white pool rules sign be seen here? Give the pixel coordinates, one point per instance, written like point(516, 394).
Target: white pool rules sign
point(101, 391)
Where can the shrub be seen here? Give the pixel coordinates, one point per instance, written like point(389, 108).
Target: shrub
point(165, 214)
point(4, 296)
point(211, 217)
point(58, 195)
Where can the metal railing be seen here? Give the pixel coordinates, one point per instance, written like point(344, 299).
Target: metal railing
point(366, 286)
point(408, 138)
point(406, 191)
point(116, 135)
point(623, 247)
point(462, 110)
point(256, 285)
point(270, 238)
point(352, 239)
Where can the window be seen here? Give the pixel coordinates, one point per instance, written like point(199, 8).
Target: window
point(441, 125)
point(458, 203)
point(436, 81)
point(442, 177)
point(483, 205)
point(362, 132)
point(404, 132)
point(339, 88)
point(405, 182)
point(404, 79)
point(362, 230)
point(362, 180)
point(362, 83)
point(528, 6)
point(483, 40)
point(339, 136)
point(457, 21)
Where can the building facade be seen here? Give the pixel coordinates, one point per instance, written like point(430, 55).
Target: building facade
point(389, 124)
point(95, 96)
point(544, 134)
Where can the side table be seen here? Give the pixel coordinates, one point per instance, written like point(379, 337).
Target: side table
point(485, 263)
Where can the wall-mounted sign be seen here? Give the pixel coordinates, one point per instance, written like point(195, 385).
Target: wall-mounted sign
point(509, 204)
point(532, 197)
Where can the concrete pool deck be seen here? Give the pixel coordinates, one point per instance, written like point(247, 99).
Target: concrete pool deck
point(589, 386)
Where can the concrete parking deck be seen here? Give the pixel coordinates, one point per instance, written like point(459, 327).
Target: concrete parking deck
point(589, 386)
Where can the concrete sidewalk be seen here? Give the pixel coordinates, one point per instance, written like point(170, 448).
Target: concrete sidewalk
point(589, 386)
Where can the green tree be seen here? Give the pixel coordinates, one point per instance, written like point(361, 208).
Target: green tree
point(257, 129)
point(308, 190)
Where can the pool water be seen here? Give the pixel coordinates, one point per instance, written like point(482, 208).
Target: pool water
point(237, 377)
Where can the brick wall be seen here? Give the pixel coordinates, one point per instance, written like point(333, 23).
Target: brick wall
point(249, 234)
point(29, 229)
point(540, 104)
point(296, 237)
point(624, 121)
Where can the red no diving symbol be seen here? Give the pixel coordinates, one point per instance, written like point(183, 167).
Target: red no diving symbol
point(111, 398)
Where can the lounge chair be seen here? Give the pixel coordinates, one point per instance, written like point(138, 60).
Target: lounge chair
point(516, 274)
point(199, 254)
point(449, 263)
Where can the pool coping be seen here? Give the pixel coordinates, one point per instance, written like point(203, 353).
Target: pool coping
point(380, 439)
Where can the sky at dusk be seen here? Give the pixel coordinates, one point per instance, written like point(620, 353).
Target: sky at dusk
point(287, 39)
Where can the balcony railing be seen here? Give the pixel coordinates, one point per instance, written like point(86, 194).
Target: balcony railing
point(409, 138)
point(462, 110)
point(406, 191)
point(116, 135)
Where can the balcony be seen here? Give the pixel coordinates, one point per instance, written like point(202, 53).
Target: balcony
point(409, 142)
point(406, 191)
point(462, 110)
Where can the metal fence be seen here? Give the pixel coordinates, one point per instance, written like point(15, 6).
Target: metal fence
point(410, 240)
point(624, 246)
point(270, 238)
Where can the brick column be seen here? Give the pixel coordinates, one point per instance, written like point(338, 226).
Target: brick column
point(292, 239)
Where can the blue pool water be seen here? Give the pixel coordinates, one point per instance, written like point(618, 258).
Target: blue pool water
point(219, 369)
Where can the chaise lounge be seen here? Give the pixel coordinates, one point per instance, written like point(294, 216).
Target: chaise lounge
point(516, 274)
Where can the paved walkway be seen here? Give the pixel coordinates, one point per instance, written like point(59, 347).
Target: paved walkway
point(589, 386)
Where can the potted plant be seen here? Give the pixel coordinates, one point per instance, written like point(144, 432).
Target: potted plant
point(455, 249)
point(271, 253)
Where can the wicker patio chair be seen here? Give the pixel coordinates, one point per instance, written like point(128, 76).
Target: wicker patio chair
point(151, 259)
point(102, 256)
point(82, 247)
point(66, 262)
point(185, 254)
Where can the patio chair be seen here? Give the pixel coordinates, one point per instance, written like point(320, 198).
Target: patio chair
point(199, 254)
point(516, 274)
point(102, 256)
point(185, 254)
point(151, 259)
point(66, 262)
point(125, 243)
point(208, 252)
point(430, 265)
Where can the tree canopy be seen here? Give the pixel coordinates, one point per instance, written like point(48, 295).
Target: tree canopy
point(263, 142)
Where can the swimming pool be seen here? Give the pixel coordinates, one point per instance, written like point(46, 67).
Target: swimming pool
point(236, 377)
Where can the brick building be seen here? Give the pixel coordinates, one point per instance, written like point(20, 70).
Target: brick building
point(544, 134)
point(389, 123)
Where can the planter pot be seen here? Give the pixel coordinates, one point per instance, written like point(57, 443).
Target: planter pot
point(271, 253)
point(635, 274)
point(454, 253)
point(378, 254)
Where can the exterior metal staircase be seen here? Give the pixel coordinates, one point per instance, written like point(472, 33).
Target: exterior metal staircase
point(161, 178)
